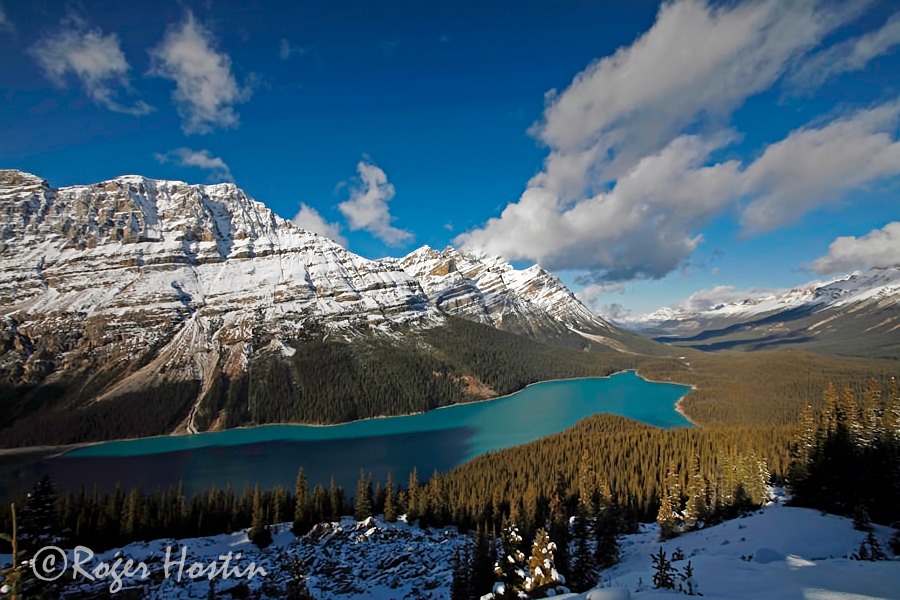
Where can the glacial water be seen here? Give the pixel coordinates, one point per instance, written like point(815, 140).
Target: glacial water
point(438, 439)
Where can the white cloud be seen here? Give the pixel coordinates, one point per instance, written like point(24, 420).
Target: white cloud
point(367, 208)
point(691, 69)
point(815, 166)
point(613, 312)
point(631, 180)
point(309, 218)
point(285, 50)
point(205, 88)
point(710, 298)
point(201, 159)
point(878, 248)
point(591, 295)
point(5, 23)
point(95, 59)
point(642, 228)
point(850, 55)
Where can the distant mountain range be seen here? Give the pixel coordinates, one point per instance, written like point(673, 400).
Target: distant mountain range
point(134, 283)
point(856, 314)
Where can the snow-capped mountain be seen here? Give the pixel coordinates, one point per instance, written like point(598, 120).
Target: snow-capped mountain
point(171, 279)
point(863, 307)
point(489, 290)
point(133, 283)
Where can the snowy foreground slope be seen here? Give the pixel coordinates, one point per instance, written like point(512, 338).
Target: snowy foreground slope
point(776, 553)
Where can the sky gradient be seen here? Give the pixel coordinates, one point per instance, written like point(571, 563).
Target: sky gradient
point(643, 152)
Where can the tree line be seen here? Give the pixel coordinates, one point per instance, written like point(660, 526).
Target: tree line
point(325, 380)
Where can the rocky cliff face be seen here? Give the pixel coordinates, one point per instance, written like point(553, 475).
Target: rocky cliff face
point(131, 283)
point(489, 290)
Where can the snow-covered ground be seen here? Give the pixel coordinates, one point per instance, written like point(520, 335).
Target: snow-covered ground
point(777, 553)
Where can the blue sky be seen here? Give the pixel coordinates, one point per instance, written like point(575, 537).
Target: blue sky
point(644, 152)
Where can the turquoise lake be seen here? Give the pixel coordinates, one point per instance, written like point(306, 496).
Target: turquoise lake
point(439, 439)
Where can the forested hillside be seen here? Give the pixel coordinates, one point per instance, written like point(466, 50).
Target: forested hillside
point(316, 379)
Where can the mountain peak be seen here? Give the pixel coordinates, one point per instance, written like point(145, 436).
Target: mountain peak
point(489, 289)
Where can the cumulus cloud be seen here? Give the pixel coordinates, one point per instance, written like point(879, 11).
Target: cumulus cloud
point(206, 90)
point(850, 55)
point(96, 60)
point(815, 166)
point(632, 178)
point(309, 218)
point(692, 68)
point(642, 228)
point(878, 248)
point(201, 159)
point(367, 208)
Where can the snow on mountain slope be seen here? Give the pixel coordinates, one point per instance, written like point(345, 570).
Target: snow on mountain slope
point(489, 290)
point(873, 295)
point(776, 553)
point(170, 278)
point(135, 283)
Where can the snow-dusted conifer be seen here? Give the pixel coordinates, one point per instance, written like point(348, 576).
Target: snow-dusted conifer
point(543, 579)
point(510, 567)
point(696, 508)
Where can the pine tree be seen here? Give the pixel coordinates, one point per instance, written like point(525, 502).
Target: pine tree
point(870, 549)
point(259, 533)
point(696, 508)
point(663, 571)
point(584, 568)
point(321, 504)
point(363, 497)
point(482, 563)
point(542, 574)
point(587, 482)
point(460, 584)
point(390, 509)
point(510, 567)
point(606, 533)
point(559, 525)
point(301, 504)
point(336, 493)
point(412, 497)
point(278, 500)
point(669, 516)
point(688, 585)
point(529, 518)
point(131, 517)
point(38, 519)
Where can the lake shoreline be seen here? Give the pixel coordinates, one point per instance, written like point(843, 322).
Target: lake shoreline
point(61, 450)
